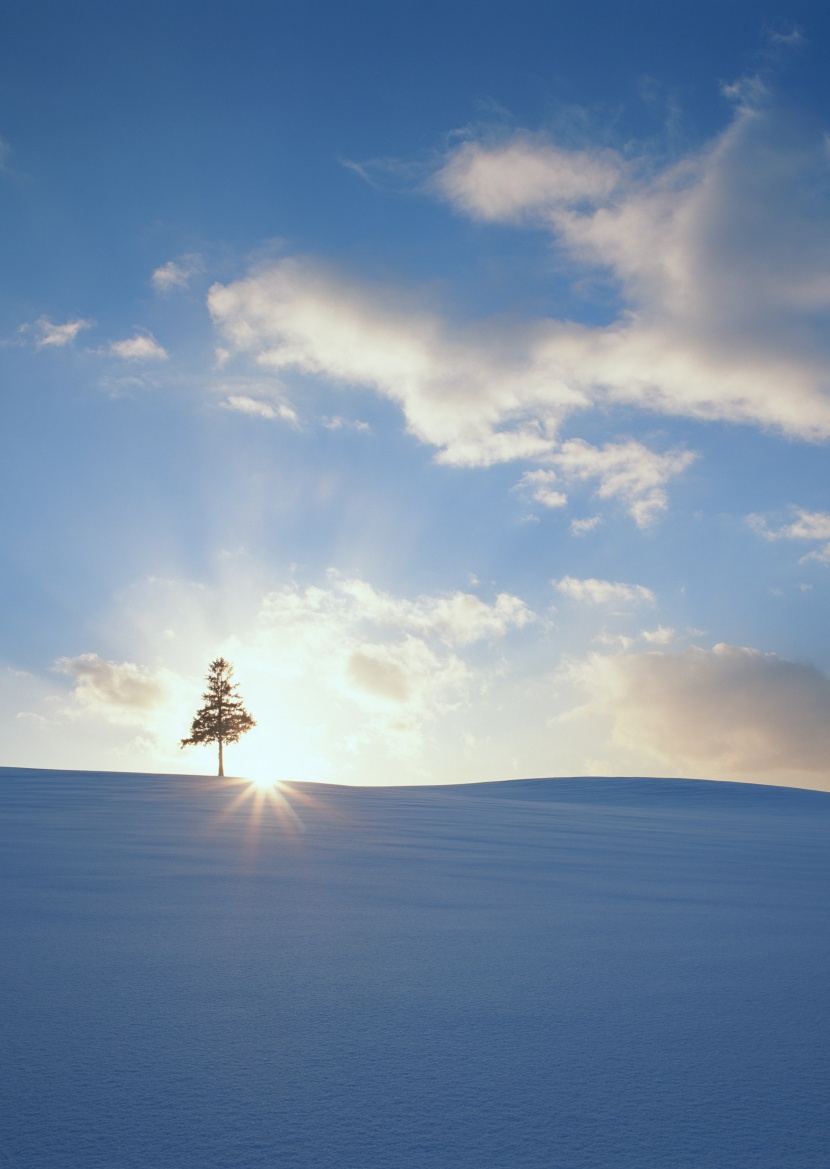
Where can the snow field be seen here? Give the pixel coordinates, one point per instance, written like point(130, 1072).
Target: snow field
point(553, 974)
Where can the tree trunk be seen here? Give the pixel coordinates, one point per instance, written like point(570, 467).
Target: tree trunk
point(219, 721)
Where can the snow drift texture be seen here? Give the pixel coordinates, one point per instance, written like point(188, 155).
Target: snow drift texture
point(553, 973)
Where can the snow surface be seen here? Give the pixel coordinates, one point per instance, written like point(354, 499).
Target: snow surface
point(559, 974)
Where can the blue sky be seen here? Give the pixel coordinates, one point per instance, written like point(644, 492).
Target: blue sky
point(458, 370)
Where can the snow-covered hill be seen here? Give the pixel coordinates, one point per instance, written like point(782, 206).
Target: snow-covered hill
point(540, 974)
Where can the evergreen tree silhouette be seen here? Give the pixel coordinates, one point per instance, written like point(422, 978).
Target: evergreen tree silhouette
point(223, 718)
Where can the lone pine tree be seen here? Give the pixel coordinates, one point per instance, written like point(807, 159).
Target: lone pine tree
point(223, 718)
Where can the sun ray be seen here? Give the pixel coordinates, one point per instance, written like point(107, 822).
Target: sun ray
point(267, 806)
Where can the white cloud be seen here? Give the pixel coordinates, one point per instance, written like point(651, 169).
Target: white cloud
point(335, 422)
point(628, 471)
point(727, 712)
point(259, 408)
point(359, 170)
point(525, 177)
point(617, 640)
point(480, 395)
point(141, 347)
point(462, 393)
point(52, 336)
point(721, 260)
point(456, 618)
point(539, 484)
point(118, 691)
point(395, 658)
point(602, 592)
point(806, 525)
point(792, 38)
point(176, 273)
point(662, 635)
point(581, 527)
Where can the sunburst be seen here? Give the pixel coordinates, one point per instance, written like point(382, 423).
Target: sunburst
point(270, 805)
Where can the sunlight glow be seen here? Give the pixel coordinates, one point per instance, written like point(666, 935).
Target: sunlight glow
point(268, 804)
point(264, 780)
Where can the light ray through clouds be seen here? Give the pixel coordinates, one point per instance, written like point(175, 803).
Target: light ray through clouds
point(533, 514)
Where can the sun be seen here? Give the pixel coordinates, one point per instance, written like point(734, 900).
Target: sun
point(263, 781)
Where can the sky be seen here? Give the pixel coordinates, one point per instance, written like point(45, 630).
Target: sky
point(457, 370)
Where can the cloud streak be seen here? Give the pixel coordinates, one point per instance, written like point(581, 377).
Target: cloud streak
point(603, 592)
point(258, 408)
point(49, 335)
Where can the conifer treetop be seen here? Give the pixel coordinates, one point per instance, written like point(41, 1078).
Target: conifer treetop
point(223, 718)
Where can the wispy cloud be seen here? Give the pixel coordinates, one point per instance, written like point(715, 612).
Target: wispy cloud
point(456, 618)
point(789, 38)
point(49, 335)
point(629, 471)
point(602, 592)
point(258, 408)
point(357, 169)
point(580, 527)
point(805, 525)
point(525, 178)
point(141, 347)
point(335, 422)
point(257, 397)
point(539, 485)
point(176, 274)
point(662, 635)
